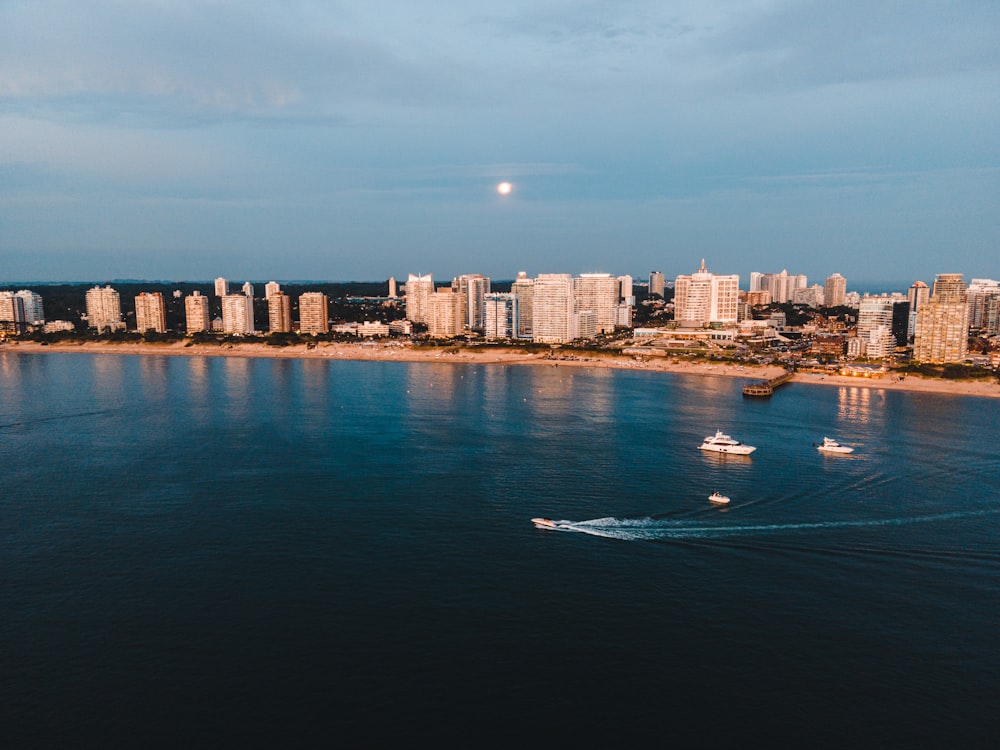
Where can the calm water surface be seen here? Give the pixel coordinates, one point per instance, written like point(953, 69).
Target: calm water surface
point(246, 552)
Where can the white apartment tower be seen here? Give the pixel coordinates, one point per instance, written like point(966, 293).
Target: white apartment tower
point(104, 309)
point(34, 315)
point(271, 287)
point(597, 292)
point(12, 315)
point(237, 314)
point(279, 312)
point(445, 317)
point(313, 313)
point(473, 288)
point(553, 320)
point(834, 291)
point(150, 313)
point(221, 287)
point(523, 289)
point(656, 283)
point(942, 331)
point(980, 292)
point(500, 315)
point(196, 313)
point(418, 292)
point(704, 298)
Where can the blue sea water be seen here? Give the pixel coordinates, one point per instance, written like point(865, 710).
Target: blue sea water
point(226, 552)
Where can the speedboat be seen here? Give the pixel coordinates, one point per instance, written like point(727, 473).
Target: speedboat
point(718, 498)
point(544, 523)
point(722, 443)
point(832, 446)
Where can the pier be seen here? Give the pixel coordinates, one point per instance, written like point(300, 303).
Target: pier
point(764, 388)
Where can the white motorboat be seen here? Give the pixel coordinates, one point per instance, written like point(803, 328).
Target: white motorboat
point(722, 443)
point(718, 498)
point(832, 446)
point(544, 523)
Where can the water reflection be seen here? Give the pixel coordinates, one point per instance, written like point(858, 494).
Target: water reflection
point(859, 404)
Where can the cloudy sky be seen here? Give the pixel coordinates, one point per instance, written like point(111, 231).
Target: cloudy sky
point(172, 139)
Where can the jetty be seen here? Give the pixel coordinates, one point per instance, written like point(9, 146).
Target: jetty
point(764, 388)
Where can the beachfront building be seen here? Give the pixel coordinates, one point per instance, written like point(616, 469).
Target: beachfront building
point(418, 292)
point(599, 293)
point(553, 320)
point(221, 287)
point(271, 287)
point(150, 313)
point(445, 310)
point(279, 312)
point(979, 294)
point(473, 288)
point(34, 315)
point(500, 315)
point(523, 290)
point(237, 314)
point(835, 290)
point(104, 309)
point(917, 295)
point(704, 298)
point(12, 316)
point(942, 331)
point(196, 313)
point(313, 313)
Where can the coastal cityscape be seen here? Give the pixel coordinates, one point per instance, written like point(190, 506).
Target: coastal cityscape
point(777, 318)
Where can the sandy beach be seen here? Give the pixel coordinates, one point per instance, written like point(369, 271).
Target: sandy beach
point(406, 352)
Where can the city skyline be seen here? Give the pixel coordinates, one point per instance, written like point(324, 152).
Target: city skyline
point(317, 142)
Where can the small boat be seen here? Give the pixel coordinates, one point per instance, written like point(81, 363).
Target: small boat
point(832, 446)
point(544, 523)
point(718, 498)
point(722, 443)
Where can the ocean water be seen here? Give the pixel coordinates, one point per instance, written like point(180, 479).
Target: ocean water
point(223, 552)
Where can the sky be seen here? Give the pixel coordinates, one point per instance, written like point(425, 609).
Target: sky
point(181, 140)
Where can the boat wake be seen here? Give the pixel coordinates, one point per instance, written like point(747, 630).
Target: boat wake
point(641, 529)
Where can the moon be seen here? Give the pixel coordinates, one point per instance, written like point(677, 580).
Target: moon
point(504, 188)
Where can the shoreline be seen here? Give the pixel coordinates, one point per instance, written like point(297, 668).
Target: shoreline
point(393, 352)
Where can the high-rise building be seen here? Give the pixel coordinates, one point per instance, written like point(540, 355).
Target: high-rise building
point(980, 291)
point(34, 315)
point(917, 295)
point(104, 309)
point(597, 292)
point(392, 287)
point(279, 312)
point(418, 292)
point(625, 291)
point(942, 331)
point(704, 298)
point(500, 315)
point(834, 290)
point(248, 289)
point(656, 283)
point(445, 314)
point(150, 312)
point(782, 285)
point(196, 313)
point(221, 287)
point(314, 314)
point(523, 289)
point(237, 314)
point(12, 315)
point(271, 287)
point(874, 312)
point(473, 288)
point(810, 296)
point(553, 320)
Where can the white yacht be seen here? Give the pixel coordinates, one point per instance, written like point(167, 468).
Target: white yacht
point(832, 446)
point(722, 443)
point(718, 498)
